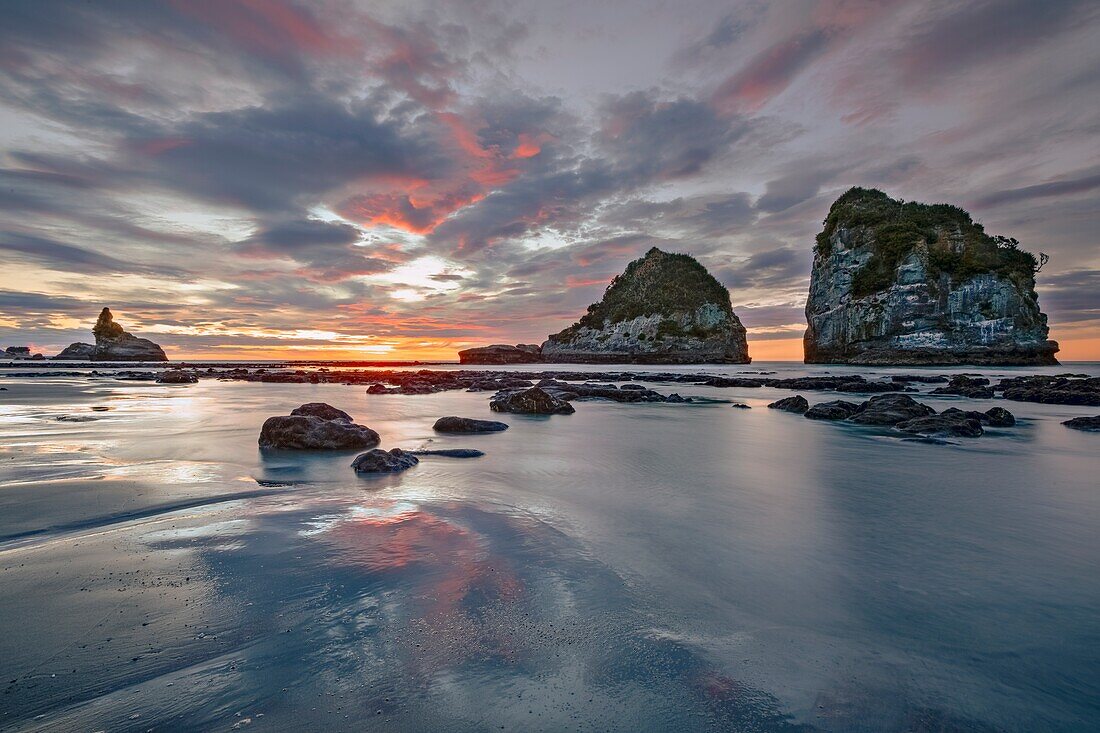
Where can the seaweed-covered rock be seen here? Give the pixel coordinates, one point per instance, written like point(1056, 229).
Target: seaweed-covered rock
point(377, 460)
point(532, 401)
point(455, 424)
point(796, 404)
point(911, 283)
point(663, 309)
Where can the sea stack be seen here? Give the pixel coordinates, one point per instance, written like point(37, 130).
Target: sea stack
point(663, 309)
point(113, 343)
point(908, 283)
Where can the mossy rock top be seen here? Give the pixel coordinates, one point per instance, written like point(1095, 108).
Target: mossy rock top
point(660, 283)
point(957, 245)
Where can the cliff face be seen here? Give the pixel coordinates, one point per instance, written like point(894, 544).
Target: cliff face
point(909, 283)
point(664, 309)
point(113, 343)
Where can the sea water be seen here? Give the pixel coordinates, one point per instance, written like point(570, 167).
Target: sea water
point(631, 567)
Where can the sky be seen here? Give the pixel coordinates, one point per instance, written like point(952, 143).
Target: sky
point(393, 180)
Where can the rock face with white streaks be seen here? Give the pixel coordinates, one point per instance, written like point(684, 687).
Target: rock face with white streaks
point(910, 283)
point(664, 309)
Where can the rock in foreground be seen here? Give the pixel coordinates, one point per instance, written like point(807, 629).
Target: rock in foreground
point(308, 431)
point(796, 404)
point(112, 343)
point(380, 461)
point(835, 410)
point(890, 410)
point(663, 309)
point(455, 424)
point(533, 401)
point(909, 283)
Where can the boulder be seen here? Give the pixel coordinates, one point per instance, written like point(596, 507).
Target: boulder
point(532, 401)
point(322, 410)
point(377, 460)
point(1067, 389)
point(944, 425)
point(309, 431)
point(176, 376)
point(796, 404)
point(454, 424)
point(835, 410)
point(663, 309)
point(1089, 424)
point(890, 409)
point(907, 283)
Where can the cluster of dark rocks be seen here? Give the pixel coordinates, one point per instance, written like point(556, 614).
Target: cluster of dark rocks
point(903, 413)
point(319, 426)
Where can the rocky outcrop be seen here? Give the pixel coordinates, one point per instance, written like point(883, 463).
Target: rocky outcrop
point(663, 309)
point(502, 354)
point(316, 426)
point(911, 283)
point(449, 452)
point(394, 460)
point(177, 376)
point(797, 404)
point(19, 353)
point(1070, 389)
point(533, 401)
point(112, 343)
point(1088, 424)
point(835, 410)
point(455, 424)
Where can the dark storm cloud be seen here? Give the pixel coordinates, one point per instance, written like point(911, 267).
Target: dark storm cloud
point(794, 188)
point(1072, 296)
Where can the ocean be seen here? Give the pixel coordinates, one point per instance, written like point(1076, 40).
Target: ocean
point(630, 567)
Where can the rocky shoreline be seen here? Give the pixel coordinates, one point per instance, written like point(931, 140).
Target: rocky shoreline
point(1063, 389)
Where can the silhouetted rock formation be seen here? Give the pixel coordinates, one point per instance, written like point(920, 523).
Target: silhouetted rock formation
point(112, 343)
point(910, 283)
point(501, 354)
point(664, 309)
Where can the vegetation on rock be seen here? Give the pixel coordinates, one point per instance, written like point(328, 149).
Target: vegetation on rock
point(957, 245)
point(660, 283)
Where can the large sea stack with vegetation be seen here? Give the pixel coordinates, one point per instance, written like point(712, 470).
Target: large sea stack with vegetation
point(897, 282)
point(665, 308)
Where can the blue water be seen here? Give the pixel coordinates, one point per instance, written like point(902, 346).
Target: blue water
point(643, 567)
